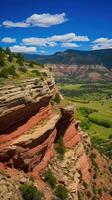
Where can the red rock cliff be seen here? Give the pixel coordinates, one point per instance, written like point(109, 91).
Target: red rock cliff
point(29, 128)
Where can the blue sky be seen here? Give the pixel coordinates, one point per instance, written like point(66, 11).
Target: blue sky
point(47, 26)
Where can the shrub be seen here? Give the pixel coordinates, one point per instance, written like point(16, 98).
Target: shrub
point(94, 189)
point(2, 60)
point(62, 192)
point(57, 98)
point(10, 58)
point(31, 64)
point(100, 192)
point(60, 148)
point(30, 192)
point(93, 155)
point(86, 111)
point(4, 73)
point(36, 72)
point(50, 178)
point(20, 59)
point(80, 196)
point(11, 70)
point(8, 51)
point(88, 194)
point(23, 69)
point(44, 74)
point(94, 175)
point(85, 184)
point(85, 124)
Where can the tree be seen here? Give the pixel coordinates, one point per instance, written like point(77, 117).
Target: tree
point(2, 57)
point(30, 192)
point(20, 59)
point(8, 51)
point(10, 58)
point(62, 192)
point(50, 178)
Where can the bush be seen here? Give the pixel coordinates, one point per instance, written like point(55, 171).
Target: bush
point(93, 155)
point(30, 192)
point(57, 98)
point(23, 69)
point(100, 192)
point(8, 51)
point(94, 175)
point(36, 72)
point(50, 178)
point(10, 58)
point(31, 64)
point(2, 60)
point(60, 148)
point(85, 124)
point(62, 192)
point(44, 74)
point(11, 70)
point(20, 59)
point(88, 194)
point(86, 111)
point(85, 184)
point(4, 73)
point(80, 197)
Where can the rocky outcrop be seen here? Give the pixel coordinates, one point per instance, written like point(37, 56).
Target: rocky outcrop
point(29, 128)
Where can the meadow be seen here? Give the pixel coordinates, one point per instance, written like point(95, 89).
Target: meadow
point(94, 110)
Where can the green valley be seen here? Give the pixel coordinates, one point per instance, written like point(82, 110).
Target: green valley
point(94, 110)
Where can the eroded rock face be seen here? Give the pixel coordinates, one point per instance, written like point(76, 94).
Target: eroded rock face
point(20, 102)
point(29, 128)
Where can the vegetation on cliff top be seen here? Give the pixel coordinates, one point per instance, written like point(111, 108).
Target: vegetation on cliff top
point(14, 67)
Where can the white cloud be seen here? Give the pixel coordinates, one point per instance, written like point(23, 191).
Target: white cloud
point(102, 43)
point(23, 49)
point(46, 20)
point(55, 40)
point(70, 37)
point(10, 24)
point(39, 20)
point(70, 45)
point(35, 41)
point(8, 40)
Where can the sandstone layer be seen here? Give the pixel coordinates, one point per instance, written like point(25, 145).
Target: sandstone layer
point(29, 128)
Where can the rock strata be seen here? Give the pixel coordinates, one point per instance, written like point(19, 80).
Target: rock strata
point(29, 128)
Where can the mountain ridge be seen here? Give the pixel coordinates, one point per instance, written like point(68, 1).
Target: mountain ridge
point(100, 57)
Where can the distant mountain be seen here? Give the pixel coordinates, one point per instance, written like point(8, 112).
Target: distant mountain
point(78, 65)
point(100, 57)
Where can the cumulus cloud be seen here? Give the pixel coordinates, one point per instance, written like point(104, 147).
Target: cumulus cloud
point(55, 40)
point(39, 20)
point(70, 37)
point(70, 45)
point(23, 49)
point(8, 40)
point(102, 43)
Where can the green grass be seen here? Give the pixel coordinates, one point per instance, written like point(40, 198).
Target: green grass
point(99, 131)
point(104, 112)
point(70, 86)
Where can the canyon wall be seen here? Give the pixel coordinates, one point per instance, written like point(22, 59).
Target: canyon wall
point(29, 128)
